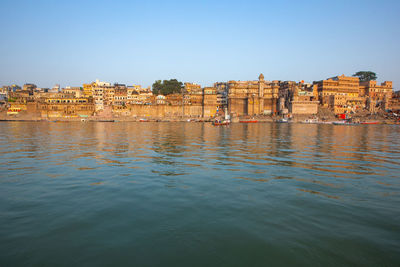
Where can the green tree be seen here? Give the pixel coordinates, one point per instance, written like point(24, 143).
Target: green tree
point(366, 76)
point(157, 86)
point(167, 87)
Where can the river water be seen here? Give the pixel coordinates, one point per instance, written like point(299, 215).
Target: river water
point(191, 194)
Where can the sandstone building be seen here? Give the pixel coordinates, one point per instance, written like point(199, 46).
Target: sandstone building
point(252, 97)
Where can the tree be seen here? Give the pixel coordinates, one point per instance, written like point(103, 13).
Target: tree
point(157, 86)
point(167, 87)
point(366, 76)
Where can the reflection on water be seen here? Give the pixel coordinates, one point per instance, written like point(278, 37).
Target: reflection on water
point(190, 193)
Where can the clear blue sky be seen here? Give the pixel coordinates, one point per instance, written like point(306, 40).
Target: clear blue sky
point(137, 42)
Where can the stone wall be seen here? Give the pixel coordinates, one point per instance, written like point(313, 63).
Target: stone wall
point(304, 107)
point(160, 111)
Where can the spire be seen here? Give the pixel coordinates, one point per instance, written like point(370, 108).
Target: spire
point(261, 77)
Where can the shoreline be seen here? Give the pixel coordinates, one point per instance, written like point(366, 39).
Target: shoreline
point(197, 120)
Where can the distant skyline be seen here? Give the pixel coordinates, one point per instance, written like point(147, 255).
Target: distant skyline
point(137, 42)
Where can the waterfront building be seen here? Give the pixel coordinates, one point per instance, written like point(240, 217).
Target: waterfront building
point(4, 93)
point(56, 89)
point(344, 94)
point(58, 105)
point(21, 101)
point(88, 89)
point(341, 94)
point(195, 97)
point(98, 95)
point(210, 105)
point(174, 99)
point(29, 87)
point(340, 85)
point(132, 93)
point(253, 97)
point(394, 104)
point(121, 96)
point(160, 100)
point(119, 105)
point(99, 90)
point(75, 91)
point(222, 95)
point(303, 99)
point(138, 95)
point(11, 88)
point(192, 87)
point(376, 92)
point(16, 108)
point(109, 95)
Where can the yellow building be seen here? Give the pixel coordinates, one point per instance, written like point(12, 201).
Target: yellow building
point(65, 105)
point(210, 104)
point(339, 85)
point(377, 92)
point(88, 89)
point(253, 97)
point(192, 87)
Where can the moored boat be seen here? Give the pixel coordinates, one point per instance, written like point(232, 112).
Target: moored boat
point(248, 121)
point(283, 120)
point(344, 122)
point(220, 123)
point(310, 121)
point(370, 122)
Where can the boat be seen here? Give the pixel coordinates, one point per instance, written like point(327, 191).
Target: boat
point(248, 121)
point(344, 122)
point(220, 123)
point(370, 122)
point(310, 121)
point(283, 120)
point(144, 120)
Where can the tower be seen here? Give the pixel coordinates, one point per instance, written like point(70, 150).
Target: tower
point(261, 93)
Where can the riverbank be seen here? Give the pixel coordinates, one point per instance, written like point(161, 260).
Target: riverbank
point(191, 120)
point(323, 116)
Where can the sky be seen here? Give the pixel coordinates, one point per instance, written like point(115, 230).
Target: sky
point(137, 42)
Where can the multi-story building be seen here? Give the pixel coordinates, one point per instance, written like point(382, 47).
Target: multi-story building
point(146, 96)
point(192, 87)
point(4, 93)
point(297, 98)
point(160, 100)
point(57, 105)
point(109, 95)
point(222, 94)
point(29, 87)
point(341, 94)
point(339, 85)
point(376, 92)
point(174, 99)
point(253, 97)
point(99, 91)
point(121, 96)
point(395, 102)
point(55, 89)
point(11, 88)
point(132, 94)
point(88, 89)
point(210, 105)
point(75, 91)
point(348, 94)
